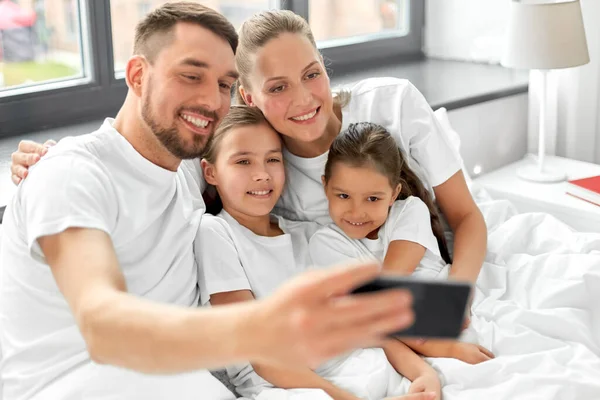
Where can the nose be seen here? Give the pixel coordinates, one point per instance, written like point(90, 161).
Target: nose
point(210, 96)
point(304, 95)
point(355, 210)
point(261, 174)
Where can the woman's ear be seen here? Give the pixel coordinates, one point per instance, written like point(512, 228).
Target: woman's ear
point(396, 193)
point(208, 170)
point(247, 97)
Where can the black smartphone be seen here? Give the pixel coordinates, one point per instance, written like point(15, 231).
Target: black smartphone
point(439, 305)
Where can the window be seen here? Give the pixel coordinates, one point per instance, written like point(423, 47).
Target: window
point(125, 13)
point(61, 61)
point(39, 44)
point(343, 19)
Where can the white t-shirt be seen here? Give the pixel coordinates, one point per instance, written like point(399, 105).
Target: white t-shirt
point(399, 107)
point(152, 215)
point(408, 220)
point(231, 257)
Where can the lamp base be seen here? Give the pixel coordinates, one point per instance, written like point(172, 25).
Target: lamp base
point(532, 173)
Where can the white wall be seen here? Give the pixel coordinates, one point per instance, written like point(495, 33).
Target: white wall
point(493, 133)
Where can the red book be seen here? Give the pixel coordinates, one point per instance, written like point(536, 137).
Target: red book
point(587, 189)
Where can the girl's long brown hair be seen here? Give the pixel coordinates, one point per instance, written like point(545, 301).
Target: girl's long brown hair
point(370, 144)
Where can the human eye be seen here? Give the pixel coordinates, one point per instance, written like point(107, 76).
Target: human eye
point(274, 160)
point(313, 75)
point(225, 86)
point(243, 162)
point(343, 196)
point(191, 78)
point(373, 198)
point(277, 89)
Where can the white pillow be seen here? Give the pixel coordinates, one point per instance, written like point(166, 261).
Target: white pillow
point(453, 138)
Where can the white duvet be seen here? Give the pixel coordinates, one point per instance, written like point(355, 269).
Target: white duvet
point(537, 307)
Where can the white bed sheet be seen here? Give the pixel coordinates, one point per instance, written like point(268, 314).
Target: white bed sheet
point(537, 307)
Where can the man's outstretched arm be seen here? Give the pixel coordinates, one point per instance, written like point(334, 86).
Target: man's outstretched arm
point(307, 321)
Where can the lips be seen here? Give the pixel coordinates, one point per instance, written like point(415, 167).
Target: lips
point(196, 125)
point(260, 194)
point(307, 116)
point(357, 224)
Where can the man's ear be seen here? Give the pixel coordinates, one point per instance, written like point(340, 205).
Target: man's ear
point(323, 181)
point(247, 97)
point(208, 170)
point(134, 73)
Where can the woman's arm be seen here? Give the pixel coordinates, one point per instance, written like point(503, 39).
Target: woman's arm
point(285, 377)
point(468, 225)
point(403, 257)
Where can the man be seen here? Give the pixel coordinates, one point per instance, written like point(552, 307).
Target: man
point(98, 282)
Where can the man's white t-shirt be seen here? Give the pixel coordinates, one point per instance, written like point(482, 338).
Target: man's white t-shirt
point(231, 257)
point(96, 181)
point(402, 110)
point(408, 219)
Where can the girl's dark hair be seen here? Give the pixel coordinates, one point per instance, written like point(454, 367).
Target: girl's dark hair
point(370, 144)
point(237, 117)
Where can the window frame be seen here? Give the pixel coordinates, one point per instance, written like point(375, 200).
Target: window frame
point(101, 93)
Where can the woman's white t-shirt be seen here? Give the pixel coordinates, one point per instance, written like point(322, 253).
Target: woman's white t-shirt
point(400, 108)
point(408, 220)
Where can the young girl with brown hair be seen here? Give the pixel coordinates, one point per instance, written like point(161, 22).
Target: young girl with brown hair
point(381, 211)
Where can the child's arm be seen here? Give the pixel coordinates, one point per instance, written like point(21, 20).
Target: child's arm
point(407, 363)
point(403, 257)
point(285, 377)
point(409, 233)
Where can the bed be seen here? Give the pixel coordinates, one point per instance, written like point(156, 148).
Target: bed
point(537, 307)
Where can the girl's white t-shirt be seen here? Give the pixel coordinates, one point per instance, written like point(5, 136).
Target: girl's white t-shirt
point(231, 257)
point(409, 220)
point(400, 108)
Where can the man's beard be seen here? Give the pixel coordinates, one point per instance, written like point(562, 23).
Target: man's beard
point(169, 137)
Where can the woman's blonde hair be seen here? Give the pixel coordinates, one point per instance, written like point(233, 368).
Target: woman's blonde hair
point(257, 31)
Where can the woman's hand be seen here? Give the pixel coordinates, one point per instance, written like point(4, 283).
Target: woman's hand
point(427, 383)
point(470, 353)
point(28, 153)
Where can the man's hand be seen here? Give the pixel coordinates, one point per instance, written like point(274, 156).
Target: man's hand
point(28, 153)
point(312, 318)
point(427, 383)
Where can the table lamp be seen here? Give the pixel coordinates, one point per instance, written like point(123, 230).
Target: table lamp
point(544, 35)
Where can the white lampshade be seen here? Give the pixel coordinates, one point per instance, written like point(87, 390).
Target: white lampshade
point(545, 36)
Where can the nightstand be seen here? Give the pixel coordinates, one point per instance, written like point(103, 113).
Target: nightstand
point(546, 197)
